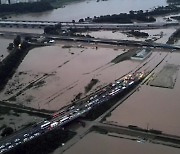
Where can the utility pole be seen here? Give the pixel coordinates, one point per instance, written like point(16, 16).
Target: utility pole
point(147, 126)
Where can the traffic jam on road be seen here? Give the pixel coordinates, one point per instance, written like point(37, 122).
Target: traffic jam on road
point(73, 112)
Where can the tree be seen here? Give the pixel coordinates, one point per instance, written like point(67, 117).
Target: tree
point(81, 20)
point(24, 45)
point(48, 29)
point(131, 12)
point(17, 40)
point(58, 26)
point(7, 131)
point(28, 38)
point(11, 46)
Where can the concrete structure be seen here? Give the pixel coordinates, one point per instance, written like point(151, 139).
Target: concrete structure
point(142, 54)
point(17, 1)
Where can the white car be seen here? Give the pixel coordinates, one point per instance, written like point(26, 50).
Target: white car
point(36, 134)
point(3, 150)
point(51, 41)
point(11, 146)
point(31, 137)
point(7, 144)
point(25, 139)
point(18, 143)
point(25, 135)
point(16, 140)
point(2, 146)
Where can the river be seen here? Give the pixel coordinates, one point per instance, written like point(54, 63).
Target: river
point(91, 8)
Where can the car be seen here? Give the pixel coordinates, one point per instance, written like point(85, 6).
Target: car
point(16, 140)
point(113, 85)
point(25, 135)
point(31, 137)
point(36, 134)
point(72, 107)
point(2, 146)
point(18, 143)
point(25, 139)
point(51, 41)
point(7, 144)
point(89, 108)
point(91, 98)
point(11, 146)
point(71, 116)
point(3, 150)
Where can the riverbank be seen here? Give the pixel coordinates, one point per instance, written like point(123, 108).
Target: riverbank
point(140, 16)
point(89, 8)
point(47, 5)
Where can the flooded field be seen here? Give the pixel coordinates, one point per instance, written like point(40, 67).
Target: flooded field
point(25, 30)
point(115, 145)
point(4, 44)
point(152, 107)
point(166, 78)
point(51, 77)
point(16, 120)
point(156, 35)
point(90, 8)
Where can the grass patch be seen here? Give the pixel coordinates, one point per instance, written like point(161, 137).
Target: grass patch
point(92, 83)
point(125, 56)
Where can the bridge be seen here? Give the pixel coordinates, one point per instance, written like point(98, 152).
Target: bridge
point(85, 25)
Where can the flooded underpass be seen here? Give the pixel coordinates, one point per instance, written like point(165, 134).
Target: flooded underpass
point(153, 107)
point(51, 77)
point(95, 142)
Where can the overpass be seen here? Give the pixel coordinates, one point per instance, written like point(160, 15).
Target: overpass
point(93, 40)
point(116, 42)
point(85, 25)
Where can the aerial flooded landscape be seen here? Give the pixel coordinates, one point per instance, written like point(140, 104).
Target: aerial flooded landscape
point(89, 76)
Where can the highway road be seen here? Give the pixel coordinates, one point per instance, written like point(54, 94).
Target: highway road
point(73, 112)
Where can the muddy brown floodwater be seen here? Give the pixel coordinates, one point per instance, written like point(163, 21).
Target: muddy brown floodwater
point(50, 77)
point(95, 143)
point(4, 44)
point(156, 35)
point(152, 107)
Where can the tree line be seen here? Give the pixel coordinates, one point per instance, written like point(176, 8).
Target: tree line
point(143, 16)
point(25, 7)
